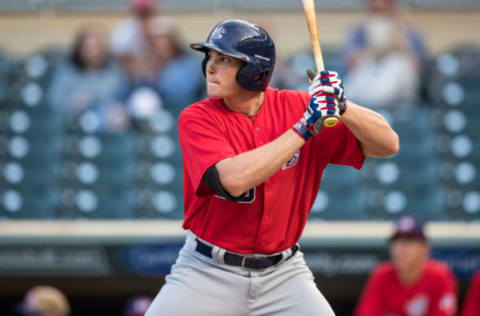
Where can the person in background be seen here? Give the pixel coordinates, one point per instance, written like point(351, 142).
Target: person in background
point(44, 300)
point(411, 284)
point(471, 306)
point(137, 306)
point(388, 62)
point(356, 47)
point(131, 40)
point(179, 80)
point(88, 79)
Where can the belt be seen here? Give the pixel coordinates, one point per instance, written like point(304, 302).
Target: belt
point(232, 259)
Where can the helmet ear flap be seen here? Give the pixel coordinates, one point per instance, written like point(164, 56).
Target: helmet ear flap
point(250, 77)
point(204, 64)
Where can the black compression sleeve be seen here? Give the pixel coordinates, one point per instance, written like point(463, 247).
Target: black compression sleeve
point(212, 179)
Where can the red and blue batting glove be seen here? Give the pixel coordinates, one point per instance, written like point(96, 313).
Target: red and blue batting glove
point(328, 99)
point(319, 107)
point(328, 83)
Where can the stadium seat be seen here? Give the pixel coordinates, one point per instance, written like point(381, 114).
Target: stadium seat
point(158, 203)
point(340, 175)
point(90, 204)
point(463, 205)
point(386, 204)
point(401, 172)
point(16, 205)
point(340, 203)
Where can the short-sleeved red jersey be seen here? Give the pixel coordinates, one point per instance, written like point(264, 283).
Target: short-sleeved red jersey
point(272, 216)
point(471, 306)
point(434, 294)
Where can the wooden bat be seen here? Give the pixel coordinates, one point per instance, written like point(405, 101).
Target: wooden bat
point(311, 17)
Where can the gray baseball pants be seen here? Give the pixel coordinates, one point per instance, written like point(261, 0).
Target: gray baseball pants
point(202, 286)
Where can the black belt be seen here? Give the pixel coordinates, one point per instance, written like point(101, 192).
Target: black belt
point(256, 263)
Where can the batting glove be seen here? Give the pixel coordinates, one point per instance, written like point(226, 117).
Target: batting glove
point(328, 83)
point(320, 106)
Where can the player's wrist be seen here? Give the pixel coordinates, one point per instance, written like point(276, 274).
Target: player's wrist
point(342, 108)
point(302, 130)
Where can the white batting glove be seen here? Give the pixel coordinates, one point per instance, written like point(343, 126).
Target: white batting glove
point(328, 83)
point(320, 107)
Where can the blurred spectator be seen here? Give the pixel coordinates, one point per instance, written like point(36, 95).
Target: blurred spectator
point(471, 306)
point(357, 44)
point(131, 40)
point(137, 306)
point(387, 65)
point(44, 301)
point(179, 79)
point(88, 79)
point(410, 284)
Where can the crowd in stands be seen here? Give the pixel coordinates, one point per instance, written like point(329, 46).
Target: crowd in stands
point(144, 66)
point(141, 69)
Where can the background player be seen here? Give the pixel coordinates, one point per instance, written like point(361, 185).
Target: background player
point(411, 284)
point(250, 180)
point(471, 306)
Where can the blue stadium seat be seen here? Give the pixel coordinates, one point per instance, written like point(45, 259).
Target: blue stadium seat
point(341, 203)
point(90, 204)
point(14, 204)
point(390, 203)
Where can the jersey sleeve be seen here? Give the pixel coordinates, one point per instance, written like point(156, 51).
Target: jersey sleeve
point(202, 145)
point(445, 301)
point(371, 302)
point(471, 306)
point(342, 146)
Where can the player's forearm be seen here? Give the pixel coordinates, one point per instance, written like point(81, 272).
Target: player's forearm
point(251, 168)
point(376, 136)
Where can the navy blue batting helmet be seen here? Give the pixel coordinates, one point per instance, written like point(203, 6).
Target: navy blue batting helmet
point(245, 41)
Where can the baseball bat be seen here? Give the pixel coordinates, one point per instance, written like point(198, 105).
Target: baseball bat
point(311, 17)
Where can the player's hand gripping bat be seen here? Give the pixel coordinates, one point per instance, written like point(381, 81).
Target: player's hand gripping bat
point(310, 15)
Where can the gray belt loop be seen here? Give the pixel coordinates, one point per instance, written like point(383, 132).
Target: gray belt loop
point(217, 254)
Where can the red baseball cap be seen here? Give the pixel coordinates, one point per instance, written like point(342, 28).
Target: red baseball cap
point(142, 5)
point(138, 305)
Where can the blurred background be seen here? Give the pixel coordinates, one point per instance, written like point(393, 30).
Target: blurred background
point(91, 197)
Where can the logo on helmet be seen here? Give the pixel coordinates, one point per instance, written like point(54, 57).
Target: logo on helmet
point(218, 33)
point(262, 57)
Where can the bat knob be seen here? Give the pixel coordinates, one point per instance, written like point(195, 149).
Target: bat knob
point(330, 121)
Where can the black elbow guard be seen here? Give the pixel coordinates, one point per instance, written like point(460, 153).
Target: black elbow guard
point(212, 179)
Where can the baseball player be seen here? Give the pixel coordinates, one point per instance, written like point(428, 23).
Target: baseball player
point(411, 284)
point(471, 306)
point(253, 159)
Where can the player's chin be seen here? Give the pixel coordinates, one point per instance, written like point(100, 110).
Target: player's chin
point(214, 91)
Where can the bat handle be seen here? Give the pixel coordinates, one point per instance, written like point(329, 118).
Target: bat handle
point(330, 121)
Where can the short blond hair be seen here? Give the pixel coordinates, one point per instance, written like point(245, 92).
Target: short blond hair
point(46, 300)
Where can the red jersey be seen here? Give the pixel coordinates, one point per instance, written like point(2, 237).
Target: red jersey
point(272, 216)
point(433, 295)
point(471, 306)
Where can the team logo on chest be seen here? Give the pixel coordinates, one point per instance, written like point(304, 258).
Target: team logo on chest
point(417, 306)
point(292, 161)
